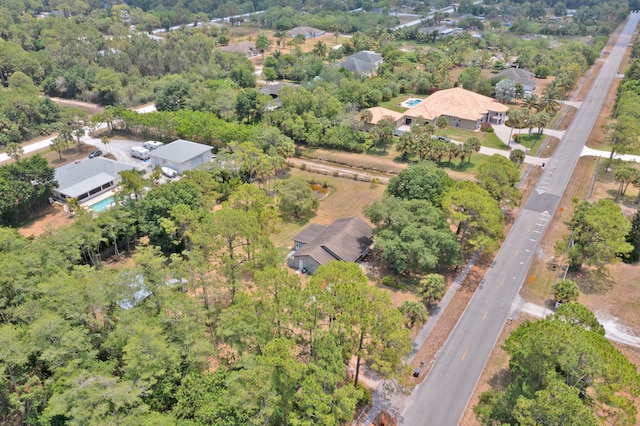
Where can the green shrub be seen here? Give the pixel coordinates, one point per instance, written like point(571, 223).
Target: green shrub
point(390, 281)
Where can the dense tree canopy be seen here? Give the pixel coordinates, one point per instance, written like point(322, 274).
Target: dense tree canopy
point(412, 235)
point(476, 214)
point(599, 234)
point(564, 371)
point(424, 181)
point(499, 176)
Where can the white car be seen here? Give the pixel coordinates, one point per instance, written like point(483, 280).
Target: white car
point(169, 172)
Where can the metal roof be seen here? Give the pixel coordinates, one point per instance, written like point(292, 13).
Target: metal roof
point(180, 151)
point(75, 179)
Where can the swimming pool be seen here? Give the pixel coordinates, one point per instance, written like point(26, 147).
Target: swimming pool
point(411, 102)
point(103, 205)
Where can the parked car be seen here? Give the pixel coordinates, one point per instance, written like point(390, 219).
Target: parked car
point(96, 153)
point(169, 172)
point(444, 138)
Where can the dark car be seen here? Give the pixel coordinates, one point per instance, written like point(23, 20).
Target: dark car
point(444, 138)
point(96, 153)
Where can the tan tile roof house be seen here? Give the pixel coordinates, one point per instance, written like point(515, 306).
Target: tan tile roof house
point(347, 239)
point(463, 108)
point(378, 113)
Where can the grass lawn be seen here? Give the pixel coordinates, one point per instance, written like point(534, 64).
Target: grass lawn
point(466, 169)
point(393, 103)
point(488, 139)
point(346, 198)
point(532, 141)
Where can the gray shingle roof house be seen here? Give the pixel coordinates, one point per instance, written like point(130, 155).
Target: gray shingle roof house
point(348, 239)
point(274, 88)
point(88, 179)
point(246, 47)
point(181, 155)
point(307, 32)
point(519, 75)
point(363, 62)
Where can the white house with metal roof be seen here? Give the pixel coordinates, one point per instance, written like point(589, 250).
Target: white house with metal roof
point(181, 155)
point(88, 179)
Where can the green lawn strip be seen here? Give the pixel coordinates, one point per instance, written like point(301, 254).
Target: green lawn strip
point(488, 139)
point(394, 103)
point(532, 141)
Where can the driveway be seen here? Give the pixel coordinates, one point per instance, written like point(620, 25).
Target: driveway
point(121, 149)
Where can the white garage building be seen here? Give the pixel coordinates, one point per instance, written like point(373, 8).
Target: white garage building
point(181, 155)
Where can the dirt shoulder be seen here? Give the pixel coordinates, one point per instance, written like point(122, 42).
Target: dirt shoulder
point(600, 294)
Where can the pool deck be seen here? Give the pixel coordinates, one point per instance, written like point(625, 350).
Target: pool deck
point(410, 103)
point(87, 204)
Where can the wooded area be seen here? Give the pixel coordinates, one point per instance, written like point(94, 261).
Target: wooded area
point(174, 307)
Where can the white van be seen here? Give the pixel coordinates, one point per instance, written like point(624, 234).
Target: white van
point(151, 145)
point(140, 152)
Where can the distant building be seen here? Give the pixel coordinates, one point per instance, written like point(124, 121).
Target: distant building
point(87, 179)
point(307, 32)
point(519, 75)
point(181, 155)
point(273, 89)
point(246, 47)
point(364, 62)
point(348, 239)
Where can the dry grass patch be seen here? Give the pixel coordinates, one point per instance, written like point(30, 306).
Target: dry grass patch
point(346, 198)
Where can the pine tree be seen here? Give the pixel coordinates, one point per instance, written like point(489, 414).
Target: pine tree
point(633, 238)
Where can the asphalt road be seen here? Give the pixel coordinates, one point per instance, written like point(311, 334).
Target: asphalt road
point(443, 396)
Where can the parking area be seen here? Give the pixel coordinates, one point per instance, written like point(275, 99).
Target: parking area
point(121, 149)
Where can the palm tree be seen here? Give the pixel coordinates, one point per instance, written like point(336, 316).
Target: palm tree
point(466, 152)
point(541, 120)
point(57, 145)
point(414, 312)
point(15, 151)
point(475, 143)
point(73, 206)
point(262, 43)
point(320, 49)
point(281, 36)
point(517, 156)
point(531, 102)
point(105, 141)
point(549, 102)
point(441, 123)
point(453, 150)
point(515, 120)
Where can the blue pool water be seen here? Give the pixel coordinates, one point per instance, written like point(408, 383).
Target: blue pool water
point(103, 205)
point(411, 102)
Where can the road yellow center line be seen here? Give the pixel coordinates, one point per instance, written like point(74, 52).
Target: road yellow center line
point(485, 315)
point(464, 354)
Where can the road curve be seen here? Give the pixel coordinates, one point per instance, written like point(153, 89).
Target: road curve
point(442, 398)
